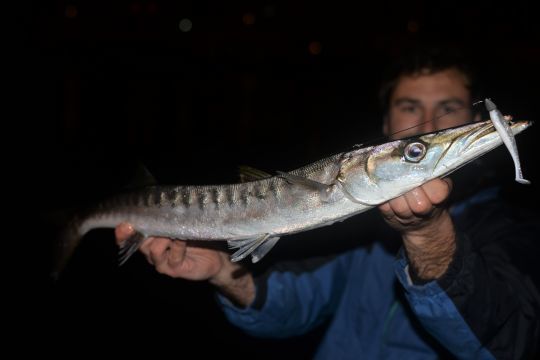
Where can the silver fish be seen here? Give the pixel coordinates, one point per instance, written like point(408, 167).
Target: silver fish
point(507, 137)
point(252, 216)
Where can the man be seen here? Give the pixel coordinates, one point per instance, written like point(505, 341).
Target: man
point(459, 288)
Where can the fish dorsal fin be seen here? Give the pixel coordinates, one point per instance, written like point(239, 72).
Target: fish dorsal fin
point(247, 173)
point(141, 177)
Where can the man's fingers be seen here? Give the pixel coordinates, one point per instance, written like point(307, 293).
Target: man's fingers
point(438, 190)
point(177, 253)
point(386, 210)
point(400, 207)
point(418, 202)
point(122, 232)
point(145, 246)
point(171, 258)
point(155, 250)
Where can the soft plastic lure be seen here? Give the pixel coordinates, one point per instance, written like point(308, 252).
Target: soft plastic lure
point(507, 136)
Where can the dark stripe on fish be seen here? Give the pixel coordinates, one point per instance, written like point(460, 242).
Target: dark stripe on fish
point(229, 194)
point(260, 189)
point(202, 197)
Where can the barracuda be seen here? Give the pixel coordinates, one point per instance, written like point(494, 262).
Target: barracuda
point(253, 215)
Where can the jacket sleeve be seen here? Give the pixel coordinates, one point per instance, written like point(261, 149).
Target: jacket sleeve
point(487, 304)
point(291, 298)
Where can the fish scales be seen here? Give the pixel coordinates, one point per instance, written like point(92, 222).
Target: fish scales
point(249, 214)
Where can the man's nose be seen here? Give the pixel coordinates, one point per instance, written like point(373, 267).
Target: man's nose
point(427, 122)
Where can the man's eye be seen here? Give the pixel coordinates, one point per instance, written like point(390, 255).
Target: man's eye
point(450, 109)
point(408, 109)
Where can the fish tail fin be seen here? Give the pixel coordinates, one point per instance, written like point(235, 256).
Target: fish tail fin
point(65, 245)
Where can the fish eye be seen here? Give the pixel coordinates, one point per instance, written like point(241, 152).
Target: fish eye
point(414, 151)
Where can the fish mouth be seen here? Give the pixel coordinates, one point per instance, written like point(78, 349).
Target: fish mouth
point(469, 145)
point(488, 132)
point(475, 136)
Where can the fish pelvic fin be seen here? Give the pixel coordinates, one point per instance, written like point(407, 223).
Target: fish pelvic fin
point(258, 247)
point(263, 249)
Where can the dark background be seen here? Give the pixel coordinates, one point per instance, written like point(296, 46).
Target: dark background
point(106, 85)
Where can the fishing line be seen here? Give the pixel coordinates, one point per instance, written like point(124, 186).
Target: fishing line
point(434, 119)
point(385, 138)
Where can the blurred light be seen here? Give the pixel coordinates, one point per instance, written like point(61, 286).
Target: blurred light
point(269, 11)
point(315, 48)
point(248, 19)
point(412, 26)
point(71, 11)
point(185, 25)
point(152, 8)
point(135, 7)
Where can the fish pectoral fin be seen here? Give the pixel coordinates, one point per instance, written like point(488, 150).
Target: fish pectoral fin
point(129, 247)
point(247, 173)
point(258, 247)
point(304, 181)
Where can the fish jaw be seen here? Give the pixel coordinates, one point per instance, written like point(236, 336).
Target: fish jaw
point(477, 143)
point(377, 174)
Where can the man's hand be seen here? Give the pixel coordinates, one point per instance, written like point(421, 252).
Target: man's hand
point(425, 226)
point(178, 259)
point(174, 257)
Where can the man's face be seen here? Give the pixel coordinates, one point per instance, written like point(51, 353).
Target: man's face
point(419, 102)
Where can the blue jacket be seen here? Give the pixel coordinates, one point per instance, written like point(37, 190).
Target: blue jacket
point(484, 307)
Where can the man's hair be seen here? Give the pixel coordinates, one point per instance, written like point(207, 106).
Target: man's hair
point(425, 61)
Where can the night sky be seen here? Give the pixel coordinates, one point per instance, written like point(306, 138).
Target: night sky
point(191, 90)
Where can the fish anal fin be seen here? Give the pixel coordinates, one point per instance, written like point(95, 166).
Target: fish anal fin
point(129, 247)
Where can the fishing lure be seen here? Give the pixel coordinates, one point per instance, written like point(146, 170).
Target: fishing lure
point(507, 136)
